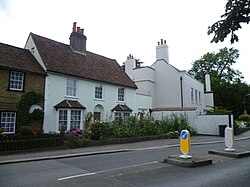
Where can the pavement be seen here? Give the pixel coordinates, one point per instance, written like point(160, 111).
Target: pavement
point(114, 148)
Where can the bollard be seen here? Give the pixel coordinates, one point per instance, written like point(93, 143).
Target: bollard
point(185, 144)
point(229, 139)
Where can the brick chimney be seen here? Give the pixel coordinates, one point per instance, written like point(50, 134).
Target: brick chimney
point(78, 40)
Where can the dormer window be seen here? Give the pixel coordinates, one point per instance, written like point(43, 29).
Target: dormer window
point(16, 81)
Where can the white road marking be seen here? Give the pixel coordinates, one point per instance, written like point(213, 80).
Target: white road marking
point(102, 171)
point(75, 176)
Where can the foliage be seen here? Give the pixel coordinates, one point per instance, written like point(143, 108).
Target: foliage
point(98, 129)
point(37, 114)
point(226, 82)
point(88, 118)
point(244, 117)
point(218, 65)
point(70, 140)
point(27, 100)
point(236, 12)
point(25, 130)
point(218, 111)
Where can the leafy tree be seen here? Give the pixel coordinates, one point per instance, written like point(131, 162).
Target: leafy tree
point(226, 81)
point(218, 65)
point(236, 12)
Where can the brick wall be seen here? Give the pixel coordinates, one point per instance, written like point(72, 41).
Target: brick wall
point(9, 99)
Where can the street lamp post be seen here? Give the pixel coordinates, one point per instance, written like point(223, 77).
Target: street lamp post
point(245, 112)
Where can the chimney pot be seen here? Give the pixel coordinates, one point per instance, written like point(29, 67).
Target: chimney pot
point(161, 41)
point(74, 27)
point(165, 42)
point(82, 31)
point(78, 30)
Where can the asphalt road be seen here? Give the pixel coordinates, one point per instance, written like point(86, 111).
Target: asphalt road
point(141, 167)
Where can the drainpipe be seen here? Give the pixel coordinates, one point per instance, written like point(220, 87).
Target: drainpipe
point(181, 91)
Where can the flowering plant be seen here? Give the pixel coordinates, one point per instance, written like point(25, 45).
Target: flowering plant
point(75, 131)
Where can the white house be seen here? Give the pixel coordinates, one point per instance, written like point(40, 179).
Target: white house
point(170, 88)
point(165, 90)
point(79, 81)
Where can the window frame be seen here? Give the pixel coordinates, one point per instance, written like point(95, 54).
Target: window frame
point(69, 122)
point(10, 122)
point(121, 95)
point(71, 89)
point(99, 93)
point(13, 83)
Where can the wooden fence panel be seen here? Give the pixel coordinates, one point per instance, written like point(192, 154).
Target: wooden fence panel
point(13, 143)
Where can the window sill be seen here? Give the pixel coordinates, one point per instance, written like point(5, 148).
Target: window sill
point(71, 97)
point(95, 99)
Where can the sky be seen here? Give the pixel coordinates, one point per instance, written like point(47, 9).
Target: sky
point(117, 28)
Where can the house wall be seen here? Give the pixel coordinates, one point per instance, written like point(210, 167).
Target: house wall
point(188, 83)
point(56, 92)
point(143, 103)
point(9, 99)
point(167, 86)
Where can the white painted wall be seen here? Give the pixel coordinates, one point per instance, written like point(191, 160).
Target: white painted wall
point(188, 83)
point(56, 92)
point(167, 86)
point(209, 124)
point(143, 102)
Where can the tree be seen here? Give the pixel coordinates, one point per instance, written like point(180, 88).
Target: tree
point(218, 65)
point(226, 82)
point(236, 12)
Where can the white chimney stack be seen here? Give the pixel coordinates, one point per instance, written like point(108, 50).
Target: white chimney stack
point(162, 51)
point(207, 83)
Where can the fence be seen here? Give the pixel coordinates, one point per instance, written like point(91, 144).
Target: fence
point(15, 143)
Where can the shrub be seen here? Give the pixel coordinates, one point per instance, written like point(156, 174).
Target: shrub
point(245, 117)
point(98, 130)
point(70, 140)
point(25, 130)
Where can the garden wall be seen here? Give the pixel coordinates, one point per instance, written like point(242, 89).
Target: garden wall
point(203, 124)
point(209, 124)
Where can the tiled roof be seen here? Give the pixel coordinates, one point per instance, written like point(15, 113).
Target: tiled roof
point(120, 107)
point(60, 58)
point(18, 59)
point(69, 104)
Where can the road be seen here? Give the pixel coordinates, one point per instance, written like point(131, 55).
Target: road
point(140, 167)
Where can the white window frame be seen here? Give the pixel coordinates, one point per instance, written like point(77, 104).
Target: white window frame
point(121, 94)
point(71, 87)
point(99, 92)
point(70, 119)
point(8, 121)
point(16, 81)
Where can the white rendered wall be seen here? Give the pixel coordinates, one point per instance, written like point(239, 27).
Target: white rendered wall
point(31, 46)
point(56, 92)
point(167, 86)
point(143, 102)
point(188, 83)
point(209, 124)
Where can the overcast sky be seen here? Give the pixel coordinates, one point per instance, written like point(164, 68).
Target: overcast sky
point(117, 28)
